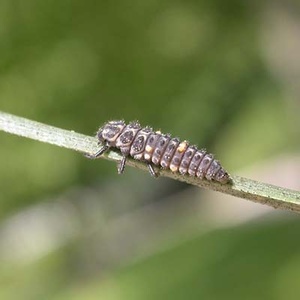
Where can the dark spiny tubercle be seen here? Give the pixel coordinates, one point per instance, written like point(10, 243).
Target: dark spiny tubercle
point(156, 148)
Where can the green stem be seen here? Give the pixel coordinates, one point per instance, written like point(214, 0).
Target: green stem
point(255, 191)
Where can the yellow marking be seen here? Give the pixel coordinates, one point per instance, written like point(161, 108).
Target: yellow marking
point(149, 148)
point(173, 168)
point(158, 132)
point(147, 156)
point(182, 146)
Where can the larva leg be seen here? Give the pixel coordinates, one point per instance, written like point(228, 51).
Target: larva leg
point(152, 171)
point(98, 153)
point(121, 165)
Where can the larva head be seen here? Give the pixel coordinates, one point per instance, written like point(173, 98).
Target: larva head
point(110, 131)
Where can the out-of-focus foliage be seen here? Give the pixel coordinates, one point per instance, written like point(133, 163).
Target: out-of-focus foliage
point(207, 71)
point(253, 262)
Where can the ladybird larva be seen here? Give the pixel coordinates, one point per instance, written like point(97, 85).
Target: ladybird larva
point(156, 148)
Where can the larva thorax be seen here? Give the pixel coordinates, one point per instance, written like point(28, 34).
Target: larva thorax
point(110, 131)
point(155, 148)
point(127, 136)
point(138, 145)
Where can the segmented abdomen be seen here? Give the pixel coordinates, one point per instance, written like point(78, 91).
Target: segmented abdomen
point(162, 150)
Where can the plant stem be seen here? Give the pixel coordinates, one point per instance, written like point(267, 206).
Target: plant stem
point(255, 191)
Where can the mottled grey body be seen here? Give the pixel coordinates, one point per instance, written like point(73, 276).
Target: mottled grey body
point(155, 148)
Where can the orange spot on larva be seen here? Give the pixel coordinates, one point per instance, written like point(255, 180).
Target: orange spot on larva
point(149, 148)
point(182, 146)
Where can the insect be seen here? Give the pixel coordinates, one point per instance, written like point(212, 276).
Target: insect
point(156, 148)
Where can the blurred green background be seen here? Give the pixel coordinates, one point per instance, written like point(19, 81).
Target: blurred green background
point(222, 74)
